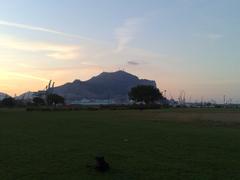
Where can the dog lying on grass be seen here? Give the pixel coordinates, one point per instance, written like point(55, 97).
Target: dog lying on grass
point(101, 165)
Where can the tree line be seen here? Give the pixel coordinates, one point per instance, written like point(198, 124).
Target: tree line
point(142, 94)
point(50, 100)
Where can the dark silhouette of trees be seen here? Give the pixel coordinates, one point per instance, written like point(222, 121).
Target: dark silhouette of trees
point(38, 101)
point(54, 99)
point(8, 102)
point(145, 93)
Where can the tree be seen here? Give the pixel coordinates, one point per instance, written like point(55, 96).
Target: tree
point(8, 102)
point(145, 93)
point(38, 101)
point(54, 99)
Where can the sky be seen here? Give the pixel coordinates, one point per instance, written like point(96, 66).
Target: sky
point(190, 45)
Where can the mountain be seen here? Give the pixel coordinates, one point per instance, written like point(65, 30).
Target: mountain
point(25, 96)
point(3, 95)
point(106, 86)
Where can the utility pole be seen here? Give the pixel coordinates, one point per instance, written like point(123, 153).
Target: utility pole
point(182, 98)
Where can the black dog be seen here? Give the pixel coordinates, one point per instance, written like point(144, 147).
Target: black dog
point(101, 164)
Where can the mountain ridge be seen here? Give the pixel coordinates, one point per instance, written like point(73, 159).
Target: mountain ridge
point(3, 95)
point(107, 85)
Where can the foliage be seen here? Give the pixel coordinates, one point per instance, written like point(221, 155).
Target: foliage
point(8, 102)
point(144, 93)
point(54, 99)
point(38, 101)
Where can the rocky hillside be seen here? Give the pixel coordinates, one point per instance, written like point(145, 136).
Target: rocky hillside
point(114, 86)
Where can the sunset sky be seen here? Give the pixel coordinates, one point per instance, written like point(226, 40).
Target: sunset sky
point(191, 45)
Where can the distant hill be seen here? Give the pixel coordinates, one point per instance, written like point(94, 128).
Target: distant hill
point(114, 86)
point(3, 95)
point(26, 96)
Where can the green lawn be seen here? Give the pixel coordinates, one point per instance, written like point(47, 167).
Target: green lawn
point(157, 144)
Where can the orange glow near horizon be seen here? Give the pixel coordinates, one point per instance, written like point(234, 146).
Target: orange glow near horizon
point(16, 83)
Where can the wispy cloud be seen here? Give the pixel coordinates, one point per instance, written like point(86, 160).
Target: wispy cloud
point(133, 63)
point(57, 51)
point(21, 75)
point(27, 76)
point(212, 36)
point(126, 33)
point(41, 29)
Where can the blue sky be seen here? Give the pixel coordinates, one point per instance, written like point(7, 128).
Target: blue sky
point(189, 45)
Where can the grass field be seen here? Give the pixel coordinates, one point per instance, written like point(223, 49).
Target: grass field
point(155, 144)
